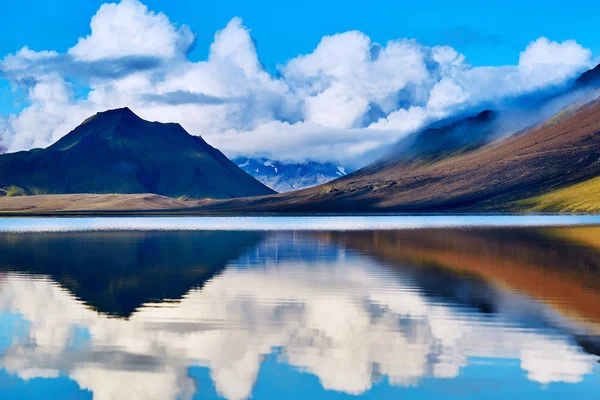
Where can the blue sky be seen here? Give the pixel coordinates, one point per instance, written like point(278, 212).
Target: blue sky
point(489, 33)
point(280, 72)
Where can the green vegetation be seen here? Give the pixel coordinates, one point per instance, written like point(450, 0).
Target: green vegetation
point(11, 191)
point(582, 197)
point(561, 115)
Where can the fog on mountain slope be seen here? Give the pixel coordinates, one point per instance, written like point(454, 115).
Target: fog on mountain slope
point(118, 152)
point(475, 163)
point(471, 129)
point(448, 137)
point(589, 78)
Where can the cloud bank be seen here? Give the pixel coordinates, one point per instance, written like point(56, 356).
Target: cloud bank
point(344, 102)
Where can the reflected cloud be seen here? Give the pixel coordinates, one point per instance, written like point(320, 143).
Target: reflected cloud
point(344, 317)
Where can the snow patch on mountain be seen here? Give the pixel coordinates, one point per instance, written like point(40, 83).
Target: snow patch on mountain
point(285, 177)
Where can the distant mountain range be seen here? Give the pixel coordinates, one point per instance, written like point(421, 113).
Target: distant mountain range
point(286, 177)
point(118, 152)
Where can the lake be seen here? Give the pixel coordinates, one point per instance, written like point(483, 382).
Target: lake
point(374, 307)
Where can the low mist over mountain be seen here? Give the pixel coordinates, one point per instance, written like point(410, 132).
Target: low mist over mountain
point(447, 137)
point(118, 152)
point(286, 177)
point(589, 78)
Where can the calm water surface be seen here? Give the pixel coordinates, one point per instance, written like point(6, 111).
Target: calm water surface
point(170, 308)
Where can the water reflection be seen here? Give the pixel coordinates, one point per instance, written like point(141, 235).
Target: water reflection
point(130, 315)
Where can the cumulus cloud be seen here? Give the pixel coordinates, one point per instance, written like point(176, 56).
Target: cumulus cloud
point(343, 102)
point(545, 52)
point(130, 29)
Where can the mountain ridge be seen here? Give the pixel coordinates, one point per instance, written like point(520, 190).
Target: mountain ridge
point(116, 151)
point(589, 78)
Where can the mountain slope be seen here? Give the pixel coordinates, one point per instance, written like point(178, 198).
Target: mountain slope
point(589, 78)
point(447, 137)
point(547, 157)
point(117, 152)
point(553, 155)
point(580, 197)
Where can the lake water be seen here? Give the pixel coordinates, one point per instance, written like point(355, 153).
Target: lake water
point(437, 307)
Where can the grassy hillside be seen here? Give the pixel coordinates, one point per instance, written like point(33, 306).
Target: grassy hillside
point(582, 197)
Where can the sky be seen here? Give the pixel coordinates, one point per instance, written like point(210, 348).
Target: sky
point(293, 81)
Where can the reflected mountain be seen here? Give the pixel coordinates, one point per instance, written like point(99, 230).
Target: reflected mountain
point(560, 266)
point(363, 312)
point(117, 272)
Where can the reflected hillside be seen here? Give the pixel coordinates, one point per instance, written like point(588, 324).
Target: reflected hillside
point(586, 236)
point(559, 266)
point(117, 272)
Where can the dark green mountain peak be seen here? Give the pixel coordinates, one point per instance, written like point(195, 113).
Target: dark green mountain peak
point(116, 151)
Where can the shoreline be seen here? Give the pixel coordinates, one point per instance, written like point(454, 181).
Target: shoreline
point(149, 205)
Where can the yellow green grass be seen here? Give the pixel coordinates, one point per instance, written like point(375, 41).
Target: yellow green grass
point(11, 191)
point(582, 235)
point(560, 115)
point(583, 197)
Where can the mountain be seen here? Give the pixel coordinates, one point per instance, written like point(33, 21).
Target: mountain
point(285, 177)
point(124, 270)
point(118, 152)
point(589, 78)
point(447, 137)
point(507, 174)
point(552, 264)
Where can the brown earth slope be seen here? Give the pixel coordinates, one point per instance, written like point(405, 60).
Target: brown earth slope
point(561, 152)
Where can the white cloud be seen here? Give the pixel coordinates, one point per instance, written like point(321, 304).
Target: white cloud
point(337, 106)
point(340, 103)
point(129, 28)
point(546, 52)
